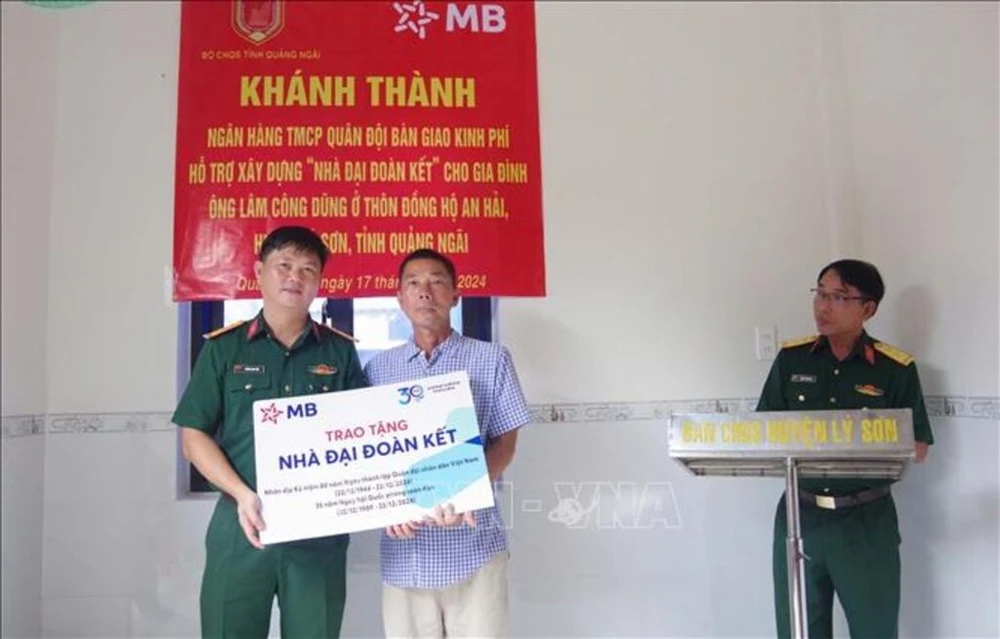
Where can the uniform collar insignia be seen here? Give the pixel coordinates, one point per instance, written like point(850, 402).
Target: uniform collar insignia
point(869, 354)
point(253, 329)
point(862, 348)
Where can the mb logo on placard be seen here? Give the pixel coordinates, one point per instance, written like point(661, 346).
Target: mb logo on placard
point(272, 413)
point(302, 410)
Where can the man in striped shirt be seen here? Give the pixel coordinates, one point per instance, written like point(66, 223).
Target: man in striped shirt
point(448, 577)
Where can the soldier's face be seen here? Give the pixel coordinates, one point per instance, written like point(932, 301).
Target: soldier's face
point(838, 308)
point(289, 278)
point(427, 294)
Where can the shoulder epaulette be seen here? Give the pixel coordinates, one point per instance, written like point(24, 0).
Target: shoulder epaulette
point(336, 331)
point(224, 329)
point(800, 341)
point(900, 357)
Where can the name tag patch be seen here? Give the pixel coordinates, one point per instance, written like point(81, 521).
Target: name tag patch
point(804, 379)
point(248, 369)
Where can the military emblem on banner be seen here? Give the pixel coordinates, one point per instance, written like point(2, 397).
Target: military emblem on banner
point(258, 20)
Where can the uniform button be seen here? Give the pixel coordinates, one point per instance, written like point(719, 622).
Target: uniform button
point(836, 371)
point(310, 386)
point(287, 353)
point(833, 400)
point(802, 398)
point(248, 387)
point(287, 388)
point(326, 388)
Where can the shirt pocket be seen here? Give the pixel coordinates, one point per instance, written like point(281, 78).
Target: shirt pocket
point(865, 400)
point(803, 395)
point(325, 383)
point(248, 388)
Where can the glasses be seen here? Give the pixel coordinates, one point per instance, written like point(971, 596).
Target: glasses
point(838, 299)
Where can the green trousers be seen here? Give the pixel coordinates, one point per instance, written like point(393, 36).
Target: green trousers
point(240, 583)
point(853, 552)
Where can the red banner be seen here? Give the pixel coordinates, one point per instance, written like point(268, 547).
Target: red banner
point(384, 126)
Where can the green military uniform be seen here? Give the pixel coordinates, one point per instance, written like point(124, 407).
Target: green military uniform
point(853, 551)
point(239, 365)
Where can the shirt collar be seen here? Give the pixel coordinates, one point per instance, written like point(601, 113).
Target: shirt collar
point(863, 348)
point(258, 327)
point(412, 350)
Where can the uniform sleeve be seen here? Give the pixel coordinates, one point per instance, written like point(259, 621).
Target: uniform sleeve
point(911, 396)
point(509, 410)
point(356, 377)
point(772, 397)
point(201, 404)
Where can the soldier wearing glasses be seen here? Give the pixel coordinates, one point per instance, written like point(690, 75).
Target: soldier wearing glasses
point(851, 540)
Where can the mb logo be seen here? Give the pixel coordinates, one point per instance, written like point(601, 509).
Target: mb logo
point(415, 16)
point(302, 410)
point(486, 18)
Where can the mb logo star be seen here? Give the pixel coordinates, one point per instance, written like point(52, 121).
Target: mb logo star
point(414, 16)
point(270, 414)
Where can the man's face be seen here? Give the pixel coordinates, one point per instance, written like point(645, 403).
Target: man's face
point(839, 308)
point(427, 294)
point(289, 279)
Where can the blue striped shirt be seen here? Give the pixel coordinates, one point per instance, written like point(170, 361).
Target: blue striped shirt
point(439, 557)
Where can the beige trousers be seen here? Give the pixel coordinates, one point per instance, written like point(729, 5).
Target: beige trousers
point(476, 607)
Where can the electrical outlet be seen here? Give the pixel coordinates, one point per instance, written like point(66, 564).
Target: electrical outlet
point(767, 342)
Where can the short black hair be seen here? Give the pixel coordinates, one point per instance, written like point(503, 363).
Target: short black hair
point(298, 237)
point(429, 254)
point(859, 274)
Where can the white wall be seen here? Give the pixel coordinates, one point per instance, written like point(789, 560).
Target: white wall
point(682, 162)
point(923, 104)
point(112, 209)
point(28, 113)
point(922, 88)
point(704, 164)
point(700, 163)
point(133, 569)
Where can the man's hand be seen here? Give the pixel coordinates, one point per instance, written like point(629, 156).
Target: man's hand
point(248, 512)
point(403, 531)
point(446, 516)
point(204, 453)
point(921, 450)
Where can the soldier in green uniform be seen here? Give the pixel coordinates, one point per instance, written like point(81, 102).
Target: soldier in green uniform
point(279, 353)
point(849, 528)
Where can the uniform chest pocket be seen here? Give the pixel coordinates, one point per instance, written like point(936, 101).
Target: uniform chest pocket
point(803, 395)
point(248, 385)
point(869, 396)
point(322, 382)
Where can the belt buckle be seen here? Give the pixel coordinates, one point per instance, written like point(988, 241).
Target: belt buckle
point(826, 501)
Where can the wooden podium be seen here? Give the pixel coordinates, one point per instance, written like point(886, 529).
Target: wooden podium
point(876, 444)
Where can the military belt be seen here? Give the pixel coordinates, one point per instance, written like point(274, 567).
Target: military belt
point(831, 502)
